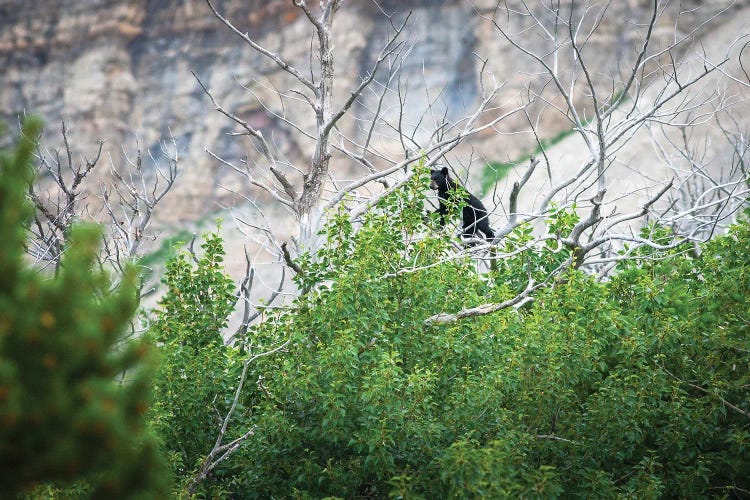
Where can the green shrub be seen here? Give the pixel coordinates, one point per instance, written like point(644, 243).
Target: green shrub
point(588, 392)
point(195, 384)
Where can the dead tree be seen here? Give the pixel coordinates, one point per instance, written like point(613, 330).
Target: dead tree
point(71, 189)
point(317, 190)
point(639, 129)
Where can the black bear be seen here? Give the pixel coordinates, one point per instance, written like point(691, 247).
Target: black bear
point(475, 216)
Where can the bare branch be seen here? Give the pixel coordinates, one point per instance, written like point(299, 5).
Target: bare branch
point(265, 150)
point(224, 450)
point(714, 394)
point(517, 302)
point(288, 189)
point(262, 50)
point(517, 186)
point(389, 48)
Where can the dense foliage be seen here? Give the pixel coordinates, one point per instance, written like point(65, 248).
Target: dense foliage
point(65, 418)
point(195, 384)
point(636, 387)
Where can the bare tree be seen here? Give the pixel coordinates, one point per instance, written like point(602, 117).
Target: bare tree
point(72, 189)
point(310, 198)
point(657, 106)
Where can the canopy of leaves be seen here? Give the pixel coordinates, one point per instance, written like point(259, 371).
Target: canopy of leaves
point(636, 387)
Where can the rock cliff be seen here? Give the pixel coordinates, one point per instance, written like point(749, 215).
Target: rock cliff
point(122, 71)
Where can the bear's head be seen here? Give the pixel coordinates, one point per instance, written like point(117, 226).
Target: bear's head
point(439, 179)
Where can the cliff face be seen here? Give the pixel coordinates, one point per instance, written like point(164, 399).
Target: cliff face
point(121, 71)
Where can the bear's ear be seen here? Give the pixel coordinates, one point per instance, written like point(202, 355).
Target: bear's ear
point(444, 171)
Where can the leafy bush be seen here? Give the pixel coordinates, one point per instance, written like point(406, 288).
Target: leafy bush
point(595, 390)
point(635, 387)
point(195, 384)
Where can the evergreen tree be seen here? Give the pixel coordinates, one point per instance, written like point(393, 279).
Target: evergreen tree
point(64, 416)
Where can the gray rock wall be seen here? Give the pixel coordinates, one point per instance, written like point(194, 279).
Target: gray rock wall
point(120, 71)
